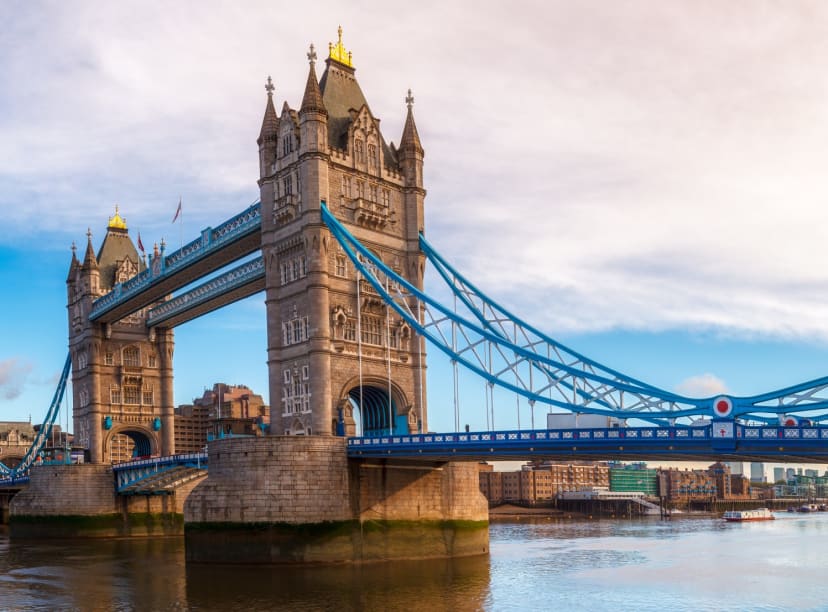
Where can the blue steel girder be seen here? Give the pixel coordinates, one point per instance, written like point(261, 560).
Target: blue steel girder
point(236, 284)
point(216, 247)
point(510, 354)
point(500, 361)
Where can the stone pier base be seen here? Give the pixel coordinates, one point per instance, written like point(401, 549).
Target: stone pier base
point(299, 499)
point(80, 501)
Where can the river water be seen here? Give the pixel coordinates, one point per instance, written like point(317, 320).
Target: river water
point(645, 564)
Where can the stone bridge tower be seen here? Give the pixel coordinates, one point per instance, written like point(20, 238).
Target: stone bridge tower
point(339, 361)
point(122, 376)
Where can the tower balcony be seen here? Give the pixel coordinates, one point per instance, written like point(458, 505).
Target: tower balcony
point(370, 214)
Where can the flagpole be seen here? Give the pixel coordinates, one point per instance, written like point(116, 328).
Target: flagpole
point(181, 226)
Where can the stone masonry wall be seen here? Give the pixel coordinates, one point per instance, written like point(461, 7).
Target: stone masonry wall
point(273, 479)
point(61, 490)
point(408, 491)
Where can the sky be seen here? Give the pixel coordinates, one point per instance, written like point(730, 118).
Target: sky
point(643, 180)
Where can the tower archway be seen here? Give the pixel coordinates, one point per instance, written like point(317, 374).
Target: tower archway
point(373, 409)
point(124, 443)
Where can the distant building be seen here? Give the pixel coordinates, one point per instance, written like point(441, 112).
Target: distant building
point(778, 474)
point(224, 410)
point(685, 485)
point(633, 478)
point(722, 477)
point(736, 467)
point(757, 472)
point(15, 439)
point(540, 483)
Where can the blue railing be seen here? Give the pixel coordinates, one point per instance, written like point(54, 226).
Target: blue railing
point(656, 440)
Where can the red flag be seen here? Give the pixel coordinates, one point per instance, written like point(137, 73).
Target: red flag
point(140, 244)
point(177, 211)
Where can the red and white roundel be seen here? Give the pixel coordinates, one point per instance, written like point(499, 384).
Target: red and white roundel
point(722, 406)
point(790, 421)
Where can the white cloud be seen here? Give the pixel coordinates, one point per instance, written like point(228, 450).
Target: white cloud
point(704, 385)
point(595, 166)
point(13, 376)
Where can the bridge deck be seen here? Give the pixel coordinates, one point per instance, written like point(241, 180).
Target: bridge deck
point(745, 443)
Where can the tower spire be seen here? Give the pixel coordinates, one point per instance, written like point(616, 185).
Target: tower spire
point(270, 122)
point(410, 138)
point(90, 262)
point(312, 100)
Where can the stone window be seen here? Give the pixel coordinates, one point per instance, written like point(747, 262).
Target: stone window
point(372, 330)
point(295, 331)
point(152, 361)
point(346, 186)
point(359, 151)
point(361, 189)
point(350, 331)
point(132, 395)
point(386, 197)
point(82, 360)
point(293, 269)
point(148, 398)
point(305, 372)
point(109, 358)
point(373, 192)
point(372, 156)
point(341, 266)
point(287, 185)
point(287, 144)
point(114, 394)
point(131, 356)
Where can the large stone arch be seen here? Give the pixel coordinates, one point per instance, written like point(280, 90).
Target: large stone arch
point(144, 439)
point(372, 418)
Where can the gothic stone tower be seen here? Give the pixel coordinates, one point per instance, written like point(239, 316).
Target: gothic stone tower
point(339, 364)
point(122, 377)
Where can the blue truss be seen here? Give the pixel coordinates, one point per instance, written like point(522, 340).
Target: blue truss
point(510, 354)
point(45, 431)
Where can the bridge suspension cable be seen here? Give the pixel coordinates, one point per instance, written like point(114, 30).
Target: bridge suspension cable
point(511, 354)
point(45, 432)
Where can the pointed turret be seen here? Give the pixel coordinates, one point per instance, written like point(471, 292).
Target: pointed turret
point(270, 122)
point(74, 265)
point(90, 262)
point(410, 138)
point(313, 127)
point(269, 134)
point(312, 100)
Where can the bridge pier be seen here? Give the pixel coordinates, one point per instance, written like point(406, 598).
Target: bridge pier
point(299, 499)
point(80, 501)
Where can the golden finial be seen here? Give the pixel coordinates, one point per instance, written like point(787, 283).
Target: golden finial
point(117, 221)
point(338, 53)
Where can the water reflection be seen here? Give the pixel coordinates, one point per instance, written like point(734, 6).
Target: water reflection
point(683, 564)
point(459, 584)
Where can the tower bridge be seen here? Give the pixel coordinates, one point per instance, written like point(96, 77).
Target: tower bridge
point(336, 244)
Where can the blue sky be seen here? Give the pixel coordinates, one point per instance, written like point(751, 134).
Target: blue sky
point(642, 180)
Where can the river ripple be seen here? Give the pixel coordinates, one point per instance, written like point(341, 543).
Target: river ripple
point(682, 564)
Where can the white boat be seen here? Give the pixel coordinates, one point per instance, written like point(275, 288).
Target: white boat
point(739, 516)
